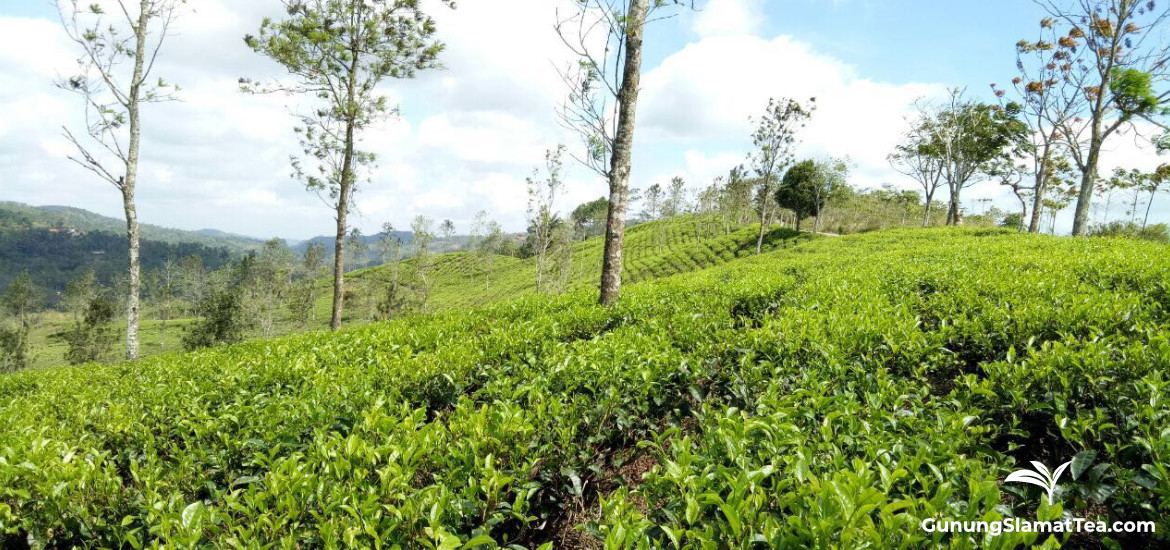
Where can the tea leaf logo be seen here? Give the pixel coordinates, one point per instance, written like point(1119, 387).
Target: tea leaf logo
point(1041, 477)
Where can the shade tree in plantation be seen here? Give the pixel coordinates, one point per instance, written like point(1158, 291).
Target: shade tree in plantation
point(774, 144)
point(192, 282)
point(651, 203)
point(19, 302)
point(423, 229)
point(967, 137)
point(119, 42)
point(79, 293)
point(1035, 97)
point(22, 298)
point(543, 221)
point(162, 289)
point(589, 218)
point(446, 235)
point(809, 186)
point(337, 52)
point(606, 37)
point(1117, 54)
point(93, 337)
point(735, 200)
point(918, 157)
point(390, 249)
point(1133, 183)
point(356, 249)
point(269, 286)
point(487, 241)
point(1159, 182)
point(302, 294)
point(675, 202)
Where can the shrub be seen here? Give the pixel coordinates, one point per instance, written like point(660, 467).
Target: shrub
point(1158, 233)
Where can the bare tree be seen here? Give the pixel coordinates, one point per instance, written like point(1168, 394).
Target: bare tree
point(114, 79)
point(606, 36)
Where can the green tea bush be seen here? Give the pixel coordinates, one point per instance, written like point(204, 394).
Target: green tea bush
point(828, 394)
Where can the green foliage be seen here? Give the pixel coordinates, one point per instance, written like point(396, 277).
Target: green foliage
point(831, 394)
point(15, 352)
point(93, 337)
point(1133, 92)
point(339, 51)
point(589, 218)
point(1157, 233)
point(223, 320)
point(796, 189)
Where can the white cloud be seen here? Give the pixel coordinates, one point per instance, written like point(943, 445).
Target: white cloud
point(711, 88)
point(469, 135)
point(729, 17)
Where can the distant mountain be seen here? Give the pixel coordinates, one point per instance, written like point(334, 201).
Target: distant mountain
point(15, 215)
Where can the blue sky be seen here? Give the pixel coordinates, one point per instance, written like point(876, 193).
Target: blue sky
point(471, 133)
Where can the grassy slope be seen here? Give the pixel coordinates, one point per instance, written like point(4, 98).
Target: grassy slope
point(831, 395)
point(655, 249)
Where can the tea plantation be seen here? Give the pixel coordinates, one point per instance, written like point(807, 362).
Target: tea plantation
point(832, 394)
point(654, 249)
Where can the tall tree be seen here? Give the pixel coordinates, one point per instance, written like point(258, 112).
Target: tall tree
point(356, 248)
point(1118, 54)
point(339, 51)
point(1043, 69)
point(113, 93)
point(589, 218)
point(602, 105)
point(774, 142)
point(676, 198)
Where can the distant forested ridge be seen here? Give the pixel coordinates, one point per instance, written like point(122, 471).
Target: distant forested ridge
point(57, 244)
point(15, 215)
point(57, 256)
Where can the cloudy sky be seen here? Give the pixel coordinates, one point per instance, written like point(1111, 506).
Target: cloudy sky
point(469, 134)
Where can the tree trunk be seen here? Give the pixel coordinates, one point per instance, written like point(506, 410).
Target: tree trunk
point(130, 180)
point(339, 252)
point(619, 170)
point(926, 211)
point(1023, 213)
point(1037, 209)
point(346, 185)
point(954, 213)
point(1088, 178)
point(764, 198)
point(1146, 220)
point(132, 236)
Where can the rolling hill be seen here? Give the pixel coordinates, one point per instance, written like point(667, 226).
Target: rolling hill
point(834, 393)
